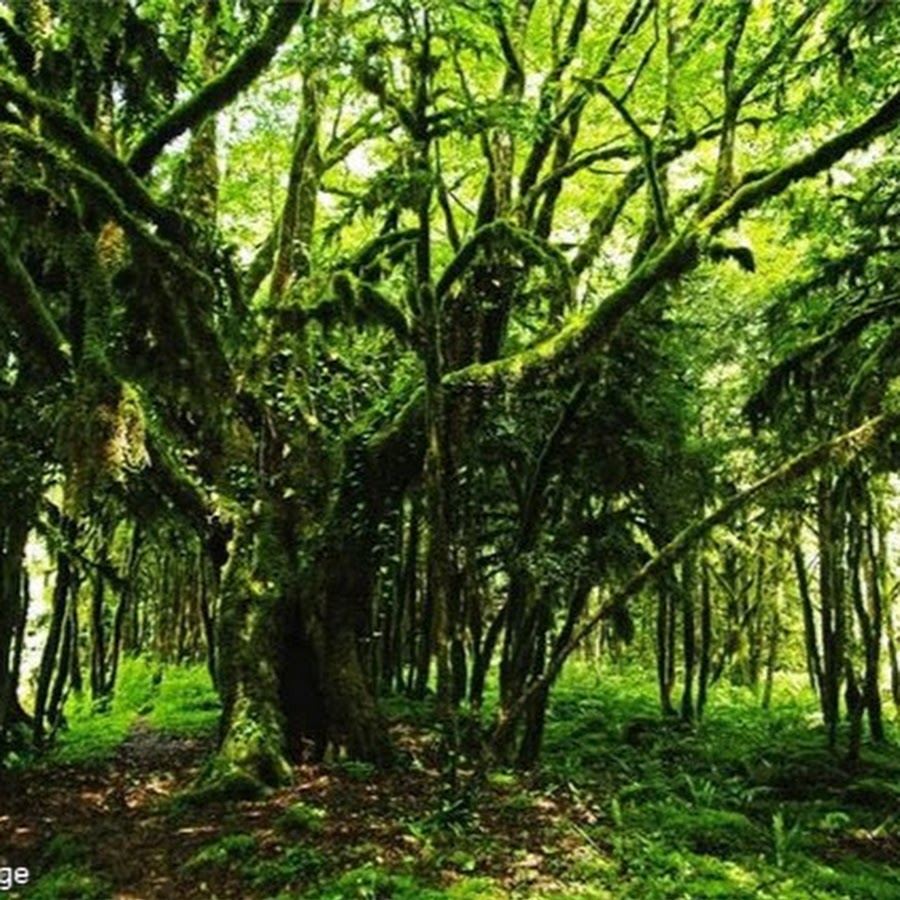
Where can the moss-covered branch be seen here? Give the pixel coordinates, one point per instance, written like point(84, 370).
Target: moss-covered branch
point(648, 154)
point(755, 192)
point(107, 198)
point(584, 335)
point(576, 343)
point(91, 154)
point(25, 311)
point(190, 284)
point(531, 247)
point(218, 92)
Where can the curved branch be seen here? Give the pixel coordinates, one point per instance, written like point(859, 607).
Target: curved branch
point(93, 154)
point(107, 198)
point(30, 316)
point(648, 153)
point(529, 244)
point(218, 92)
point(769, 185)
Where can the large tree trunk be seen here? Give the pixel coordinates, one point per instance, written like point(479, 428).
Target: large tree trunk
point(346, 579)
point(289, 669)
point(252, 732)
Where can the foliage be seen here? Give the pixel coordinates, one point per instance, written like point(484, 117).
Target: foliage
point(184, 702)
point(301, 817)
point(68, 883)
point(369, 882)
point(229, 850)
point(715, 812)
point(404, 347)
point(295, 864)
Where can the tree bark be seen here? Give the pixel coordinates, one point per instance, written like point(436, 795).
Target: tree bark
point(252, 729)
point(49, 657)
point(13, 536)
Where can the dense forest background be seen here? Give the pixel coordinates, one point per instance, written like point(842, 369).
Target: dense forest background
point(398, 348)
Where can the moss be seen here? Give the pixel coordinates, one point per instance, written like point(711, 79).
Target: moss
point(225, 851)
point(253, 740)
point(220, 784)
point(301, 817)
point(716, 832)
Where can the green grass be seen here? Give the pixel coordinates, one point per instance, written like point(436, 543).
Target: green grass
point(226, 851)
point(185, 702)
point(66, 872)
point(171, 699)
point(239, 855)
point(747, 804)
point(372, 882)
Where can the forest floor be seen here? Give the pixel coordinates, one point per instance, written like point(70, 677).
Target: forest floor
point(624, 806)
point(120, 829)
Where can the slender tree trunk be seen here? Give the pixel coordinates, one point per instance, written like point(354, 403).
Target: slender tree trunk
point(773, 639)
point(686, 591)
point(13, 586)
point(533, 734)
point(410, 593)
point(831, 590)
point(68, 671)
point(855, 711)
point(484, 654)
point(873, 561)
point(754, 623)
point(126, 595)
point(705, 640)
point(98, 638)
point(75, 679)
point(665, 646)
point(813, 659)
point(49, 657)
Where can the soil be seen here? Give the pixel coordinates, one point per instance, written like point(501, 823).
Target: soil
point(123, 822)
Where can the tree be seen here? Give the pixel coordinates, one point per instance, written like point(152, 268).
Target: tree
point(471, 284)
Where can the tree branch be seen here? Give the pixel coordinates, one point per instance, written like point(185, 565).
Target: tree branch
point(93, 154)
point(107, 198)
point(30, 317)
point(648, 154)
point(218, 92)
point(579, 341)
point(528, 244)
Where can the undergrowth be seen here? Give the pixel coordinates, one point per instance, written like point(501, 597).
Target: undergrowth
point(749, 803)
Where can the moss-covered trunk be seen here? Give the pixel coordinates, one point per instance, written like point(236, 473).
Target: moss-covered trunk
point(289, 672)
point(346, 576)
point(252, 733)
